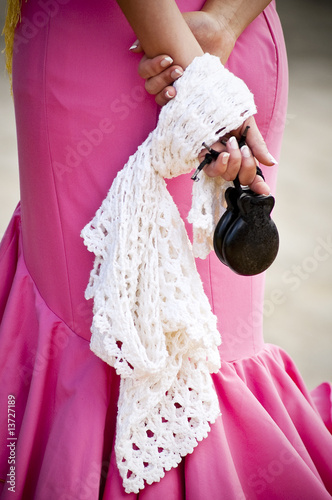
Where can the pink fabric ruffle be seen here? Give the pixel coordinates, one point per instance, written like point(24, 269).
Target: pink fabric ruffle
point(322, 397)
point(270, 442)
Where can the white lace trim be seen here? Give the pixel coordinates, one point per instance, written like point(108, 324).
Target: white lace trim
point(152, 320)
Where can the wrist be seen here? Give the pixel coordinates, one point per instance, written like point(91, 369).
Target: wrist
point(212, 33)
point(227, 18)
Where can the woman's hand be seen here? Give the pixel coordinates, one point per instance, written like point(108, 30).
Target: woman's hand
point(216, 28)
point(233, 161)
point(159, 73)
point(216, 36)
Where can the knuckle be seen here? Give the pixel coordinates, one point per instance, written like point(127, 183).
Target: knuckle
point(155, 68)
point(154, 85)
point(234, 161)
point(148, 68)
point(232, 171)
point(141, 71)
point(149, 86)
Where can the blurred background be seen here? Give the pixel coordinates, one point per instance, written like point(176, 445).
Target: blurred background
point(298, 299)
point(298, 304)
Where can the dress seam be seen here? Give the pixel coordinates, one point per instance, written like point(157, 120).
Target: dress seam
point(53, 177)
point(277, 72)
point(266, 347)
point(38, 291)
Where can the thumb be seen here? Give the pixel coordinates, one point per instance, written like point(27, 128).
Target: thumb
point(257, 144)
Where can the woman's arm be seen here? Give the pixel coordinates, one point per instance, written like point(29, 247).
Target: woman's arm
point(235, 15)
point(216, 27)
point(161, 29)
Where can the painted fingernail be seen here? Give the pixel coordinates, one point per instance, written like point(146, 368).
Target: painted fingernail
point(134, 45)
point(168, 95)
point(233, 142)
point(245, 151)
point(176, 73)
point(224, 158)
point(272, 159)
point(166, 62)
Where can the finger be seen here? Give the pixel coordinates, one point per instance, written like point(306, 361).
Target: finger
point(259, 186)
point(136, 47)
point(218, 167)
point(202, 154)
point(165, 96)
point(149, 67)
point(247, 170)
point(157, 83)
point(257, 145)
point(234, 160)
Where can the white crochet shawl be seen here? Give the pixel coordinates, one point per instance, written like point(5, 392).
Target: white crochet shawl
point(152, 320)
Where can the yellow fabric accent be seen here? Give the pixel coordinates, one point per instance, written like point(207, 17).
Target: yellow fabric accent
point(13, 16)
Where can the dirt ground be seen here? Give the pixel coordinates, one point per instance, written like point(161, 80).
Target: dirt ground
point(298, 304)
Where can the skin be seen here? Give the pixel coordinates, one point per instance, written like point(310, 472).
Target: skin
point(170, 41)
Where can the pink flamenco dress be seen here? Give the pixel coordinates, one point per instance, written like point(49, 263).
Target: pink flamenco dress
point(81, 111)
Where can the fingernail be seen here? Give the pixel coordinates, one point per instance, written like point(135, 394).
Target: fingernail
point(166, 62)
point(224, 158)
point(272, 159)
point(134, 45)
point(245, 151)
point(176, 73)
point(167, 94)
point(233, 142)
